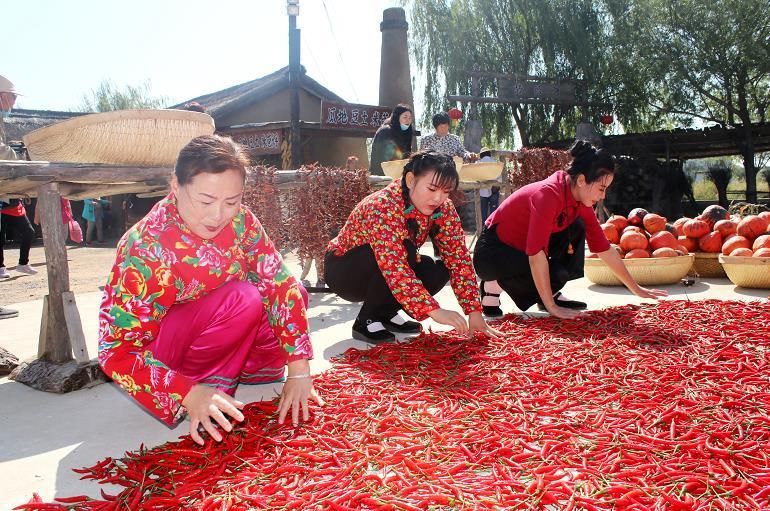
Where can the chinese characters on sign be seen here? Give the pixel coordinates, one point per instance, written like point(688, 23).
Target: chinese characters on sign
point(260, 142)
point(350, 116)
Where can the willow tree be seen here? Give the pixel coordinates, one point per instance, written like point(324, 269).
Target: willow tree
point(559, 39)
point(707, 61)
point(107, 97)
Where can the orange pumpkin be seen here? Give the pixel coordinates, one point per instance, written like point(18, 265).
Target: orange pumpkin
point(762, 252)
point(654, 223)
point(691, 244)
point(637, 253)
point(663, 239)
point(752, 227)
point(734, 243)
point(725, 227)
point(665, 252)
point(711, 242)
point(678, 225)
point(765, 215)
point(695, 228)
point(611, 233)
point(633, 240)
point(636, 216)
point(761, 242)
point(620, 222)
point(742, 252)
point(682, 250)
point(713, 214)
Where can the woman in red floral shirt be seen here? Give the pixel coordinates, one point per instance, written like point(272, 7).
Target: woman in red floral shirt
point(375, 258)
point(199, 300)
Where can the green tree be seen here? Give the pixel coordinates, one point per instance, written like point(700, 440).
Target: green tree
point(108, 97)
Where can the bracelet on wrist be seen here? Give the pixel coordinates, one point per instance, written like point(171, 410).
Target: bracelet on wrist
point(299, 376)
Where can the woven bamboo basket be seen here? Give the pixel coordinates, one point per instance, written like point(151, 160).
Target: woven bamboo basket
point(483, 171)
point(123, 137)
point(647, 272)
point(707, 265)
point(393, 168)
point(753, 272)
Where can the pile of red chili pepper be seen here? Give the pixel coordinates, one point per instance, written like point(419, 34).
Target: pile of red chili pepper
point(533, 164)
point(637, 407)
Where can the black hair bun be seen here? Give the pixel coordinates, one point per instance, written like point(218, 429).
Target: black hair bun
point(583, 150)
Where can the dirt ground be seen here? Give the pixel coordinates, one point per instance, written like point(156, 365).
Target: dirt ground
point(89, 267)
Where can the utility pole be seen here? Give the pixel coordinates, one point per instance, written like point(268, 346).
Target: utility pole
point(292, 9)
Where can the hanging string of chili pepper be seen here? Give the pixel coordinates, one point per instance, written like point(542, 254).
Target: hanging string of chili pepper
point(535, 164)
point(638, 407)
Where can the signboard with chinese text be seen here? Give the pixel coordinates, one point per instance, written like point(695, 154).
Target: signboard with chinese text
point(260, 141)
point(350, 116)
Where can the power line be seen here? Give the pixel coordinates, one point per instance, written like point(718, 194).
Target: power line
point(339, 52)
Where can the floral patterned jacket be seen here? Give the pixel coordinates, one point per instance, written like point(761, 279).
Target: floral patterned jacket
point(159, 263)
point(380, 220)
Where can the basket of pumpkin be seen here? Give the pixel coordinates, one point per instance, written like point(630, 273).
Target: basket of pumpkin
point(715, 233)
point(746, 254)
point(650, 249)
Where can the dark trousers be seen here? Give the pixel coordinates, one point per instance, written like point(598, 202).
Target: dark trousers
point(21, 228)
point(355, 277)
point(494, 260)
point(488, 205)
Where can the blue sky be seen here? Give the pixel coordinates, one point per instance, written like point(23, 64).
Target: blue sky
point(56, 51)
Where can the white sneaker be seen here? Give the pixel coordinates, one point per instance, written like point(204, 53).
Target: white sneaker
point(4, 273)
point(25, 268)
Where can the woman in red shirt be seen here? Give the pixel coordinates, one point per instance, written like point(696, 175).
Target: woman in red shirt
point(535, 241)
point(375, 258)
point(199, 300)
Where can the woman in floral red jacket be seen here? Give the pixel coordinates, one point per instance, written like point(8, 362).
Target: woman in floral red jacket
point(199, 300)
point(375, 258)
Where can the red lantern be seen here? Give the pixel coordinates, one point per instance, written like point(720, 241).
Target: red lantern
point(455, 114)
point(607, 119)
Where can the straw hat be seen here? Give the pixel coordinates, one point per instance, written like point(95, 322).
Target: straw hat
point(7, 86)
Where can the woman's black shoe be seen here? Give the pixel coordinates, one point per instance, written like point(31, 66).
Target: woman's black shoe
point(371, 331)
point(492, 311)
point(403, 327)
point(561, 302)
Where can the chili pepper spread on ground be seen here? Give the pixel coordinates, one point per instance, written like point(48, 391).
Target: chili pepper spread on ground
point(653, 407)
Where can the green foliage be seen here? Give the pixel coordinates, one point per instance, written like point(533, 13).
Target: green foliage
point(107, 98)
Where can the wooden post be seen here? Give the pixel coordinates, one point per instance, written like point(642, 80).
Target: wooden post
point(55, 340)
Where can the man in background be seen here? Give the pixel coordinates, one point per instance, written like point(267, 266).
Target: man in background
point(7, 100)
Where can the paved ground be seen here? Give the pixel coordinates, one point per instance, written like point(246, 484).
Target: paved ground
point(44, 436)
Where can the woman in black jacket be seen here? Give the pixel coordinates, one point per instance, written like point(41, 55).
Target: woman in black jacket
point(393, 140)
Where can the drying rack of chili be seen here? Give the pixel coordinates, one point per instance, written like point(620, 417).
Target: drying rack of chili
point(638, 407)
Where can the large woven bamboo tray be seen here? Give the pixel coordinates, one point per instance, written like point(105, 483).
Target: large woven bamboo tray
point(654, 271)
point(482, 171)
point(707, 265)
point(753, 272)
point(395, 168)
point(124, 137)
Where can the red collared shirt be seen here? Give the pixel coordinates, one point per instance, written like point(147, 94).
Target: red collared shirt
point(380, 221)
point(528, 217)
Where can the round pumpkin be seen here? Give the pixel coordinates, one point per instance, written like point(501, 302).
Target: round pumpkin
point(711, 242)
point(633, 240)
point(691, 244)
point(620, 222)
point(611, 233)
point(654, 223)
point(679, 223)
point(742, 252)
point(695, 228)
point(733, 243)
point(682, 250)
point(725, 227)
point(761, 242)
point(665, 252)
point(752, 227)
point(762, 252)
point(725, 238)
point(713, 214)
point(636, 216)
point(663, 239)
point(634, 228)
point(637, 253)
point(765, 215)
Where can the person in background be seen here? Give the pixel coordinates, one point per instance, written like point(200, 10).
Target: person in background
point(7, 99)
point(490, 197)
point(93, 214)
point(444, 142)
point(200, 301)
point(393, 140)
point(351, 163)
